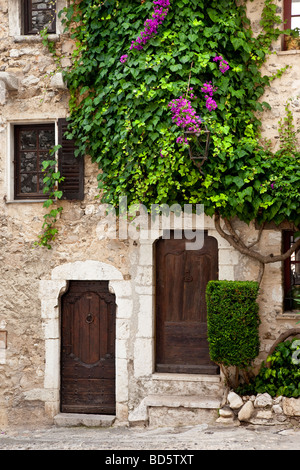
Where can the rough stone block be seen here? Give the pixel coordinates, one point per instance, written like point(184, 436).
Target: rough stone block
point(121, 288)
point(291, 406)
point(226, 412)
point(11, 81)
point(3, 339)
point(74, 419)
point(83, 270)
point(51, 289)
point(121, 380)
point(57, 81)
point(51, 328)
point(52, 347)
point(30, 81)
point(121, 348)
point(266, 414)
point(2, 92)
point(263, 400)
point(246, 411)
point(122, 328)
point(226, 272)
point(143, 351)
point(234, 400)
point(146, 255)
point(145, 323)
point(144, 275)
point(124, 308)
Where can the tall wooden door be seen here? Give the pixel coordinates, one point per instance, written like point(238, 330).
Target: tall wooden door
point(88, 348)
point(181, 325)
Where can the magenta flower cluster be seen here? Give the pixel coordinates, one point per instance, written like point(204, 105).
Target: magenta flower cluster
point(184, 115)
point(161, 8)
point(124, 58)
point(223, 65)
point(209, 90)
point(181, 140)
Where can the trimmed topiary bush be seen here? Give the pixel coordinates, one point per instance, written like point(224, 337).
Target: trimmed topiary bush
point(233, 321)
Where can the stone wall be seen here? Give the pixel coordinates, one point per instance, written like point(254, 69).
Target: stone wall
point(260, 409)
point(282, 89)
point(31, 91)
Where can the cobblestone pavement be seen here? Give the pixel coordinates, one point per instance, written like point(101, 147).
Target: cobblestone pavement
point(188, 438)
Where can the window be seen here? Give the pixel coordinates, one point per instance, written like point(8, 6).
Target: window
point(32, 143)
point(292, 14)
point(38, 14)
point(27, 17)
point(291, 273)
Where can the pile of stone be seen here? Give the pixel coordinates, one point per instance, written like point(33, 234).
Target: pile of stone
point(259, 409)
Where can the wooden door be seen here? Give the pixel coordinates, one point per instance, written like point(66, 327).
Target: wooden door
point(181, 326)
point(88, 349)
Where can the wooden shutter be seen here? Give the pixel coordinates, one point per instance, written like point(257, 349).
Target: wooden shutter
point(70, 167)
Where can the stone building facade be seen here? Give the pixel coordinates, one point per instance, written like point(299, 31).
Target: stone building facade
point(34, 280)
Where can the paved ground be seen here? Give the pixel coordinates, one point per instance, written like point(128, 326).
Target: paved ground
point(183, 439)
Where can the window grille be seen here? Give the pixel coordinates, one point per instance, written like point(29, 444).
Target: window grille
point(39, 14)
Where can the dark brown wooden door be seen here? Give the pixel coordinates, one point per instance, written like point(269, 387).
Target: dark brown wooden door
point(181, 326)
point(88, 349)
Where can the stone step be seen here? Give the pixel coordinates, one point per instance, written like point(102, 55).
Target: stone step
point(185, 401)
point(176, 410)
point(181, 410)
point(88, 420)
point(185, 384)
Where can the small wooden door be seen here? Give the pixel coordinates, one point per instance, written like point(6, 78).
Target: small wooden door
point(181, 326)
point(88, 348)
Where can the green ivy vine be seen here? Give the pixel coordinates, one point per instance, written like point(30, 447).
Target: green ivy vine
point(119, 112)
point(51, 180)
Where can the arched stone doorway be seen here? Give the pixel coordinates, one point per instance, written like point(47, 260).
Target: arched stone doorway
point(51, 292)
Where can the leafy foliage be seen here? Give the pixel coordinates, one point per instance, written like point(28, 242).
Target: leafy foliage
point(232, 320)
point(51, 181)
point(283, 375)
point(120, 115)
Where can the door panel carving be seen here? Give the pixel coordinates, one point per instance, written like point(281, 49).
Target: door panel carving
point(88, 348)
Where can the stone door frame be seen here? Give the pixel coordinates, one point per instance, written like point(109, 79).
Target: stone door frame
point(50, 293)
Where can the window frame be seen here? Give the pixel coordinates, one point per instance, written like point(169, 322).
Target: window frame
point(27, 19)
point(287, 8)
point(15, 22)
point(287, 272)
point(70, 167)
point(18, 195)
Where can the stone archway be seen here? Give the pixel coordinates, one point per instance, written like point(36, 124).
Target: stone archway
point(50, 292)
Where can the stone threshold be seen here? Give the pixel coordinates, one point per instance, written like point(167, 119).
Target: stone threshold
point(88, 420)
point(187, 377)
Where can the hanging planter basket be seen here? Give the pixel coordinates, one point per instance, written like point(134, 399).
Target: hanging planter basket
point(198, 145)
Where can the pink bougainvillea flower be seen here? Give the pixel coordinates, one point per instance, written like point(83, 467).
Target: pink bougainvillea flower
point(161, 8)
point(223, 66)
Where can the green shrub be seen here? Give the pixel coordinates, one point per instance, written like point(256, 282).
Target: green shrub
point(233, 321)
point(282, 377)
